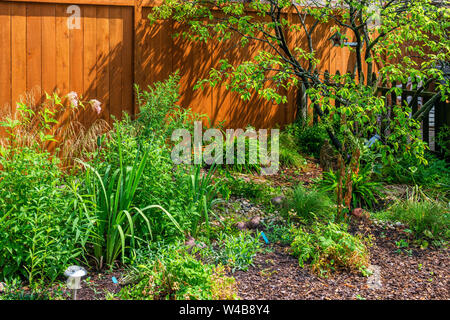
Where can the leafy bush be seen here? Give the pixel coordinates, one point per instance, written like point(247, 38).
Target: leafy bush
point(159, 183)
point(288, 152)
point(309, 204)
point(204, 195)
point(112, 196)
point(443, 140)
point(365, 192)
point(426, 219)
point(329, 247)
point(14, 290)
point(158, 113)
point(248, 189)
point(279, 233)
point(177, 189)
point(236, 252)
point(435, 174)
point(241, 162)
point(311, 138)
point(41, 232)
point(175, 274)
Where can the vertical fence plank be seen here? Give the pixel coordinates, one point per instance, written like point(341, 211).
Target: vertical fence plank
point(5, 58)
point(18, 52)
point(103, 60)
point(137, 47)
point(439, 116)
point(76, 57)
point(48, 13)
point(89, 59)
point(115, 60)
point(34, 53)
point(127, 61)
point(62, 50)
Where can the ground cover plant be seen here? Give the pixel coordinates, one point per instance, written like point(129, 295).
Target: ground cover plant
point(175, 274)
point(329, 247)
point(427, 219)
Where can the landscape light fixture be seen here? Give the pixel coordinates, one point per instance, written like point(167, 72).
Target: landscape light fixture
point(74, 275)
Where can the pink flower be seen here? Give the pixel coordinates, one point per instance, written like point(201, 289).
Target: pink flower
point(96, 105)
point(73, 97)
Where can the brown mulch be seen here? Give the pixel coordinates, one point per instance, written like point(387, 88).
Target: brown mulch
point(406, 274)
point(289, 177)
point(413, 275)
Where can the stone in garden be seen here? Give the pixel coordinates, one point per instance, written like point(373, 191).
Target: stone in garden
point(190, 242)
point(277, 201)
point(357, 213)
point(360, 213)
point(240, 225)
point(253, 223)
point(374, 280)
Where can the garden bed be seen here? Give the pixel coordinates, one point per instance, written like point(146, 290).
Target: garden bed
point(419, 275)
point(405, 273)
point(423, 275)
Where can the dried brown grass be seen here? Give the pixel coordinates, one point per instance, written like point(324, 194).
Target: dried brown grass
point(71, 137)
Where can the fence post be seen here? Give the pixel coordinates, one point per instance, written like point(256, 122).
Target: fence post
point(439, 114)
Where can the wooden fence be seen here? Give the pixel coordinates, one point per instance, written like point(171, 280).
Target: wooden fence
point(415, 96)
point(115, 47)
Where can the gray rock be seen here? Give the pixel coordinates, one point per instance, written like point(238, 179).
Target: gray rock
point(240, 225)
point(190, 242)
point(253, 223)
point(374, 281)
point(277, 201)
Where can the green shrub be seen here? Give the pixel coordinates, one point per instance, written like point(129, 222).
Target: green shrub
point(279, 233)
point(435, 174)
point(309, 204)
point(110, 197)
point(256, 192)
point(329, 247)
point(245, 188)
point(288, 151)
point(311, 138)
point(158, 113)
point(443, 140)
point(41, 232)
point(241, 162)
point(14, 290)
point(365, 192)
point(162, 183)
point(175, 274)
point(236, 252)
point(426, 219)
